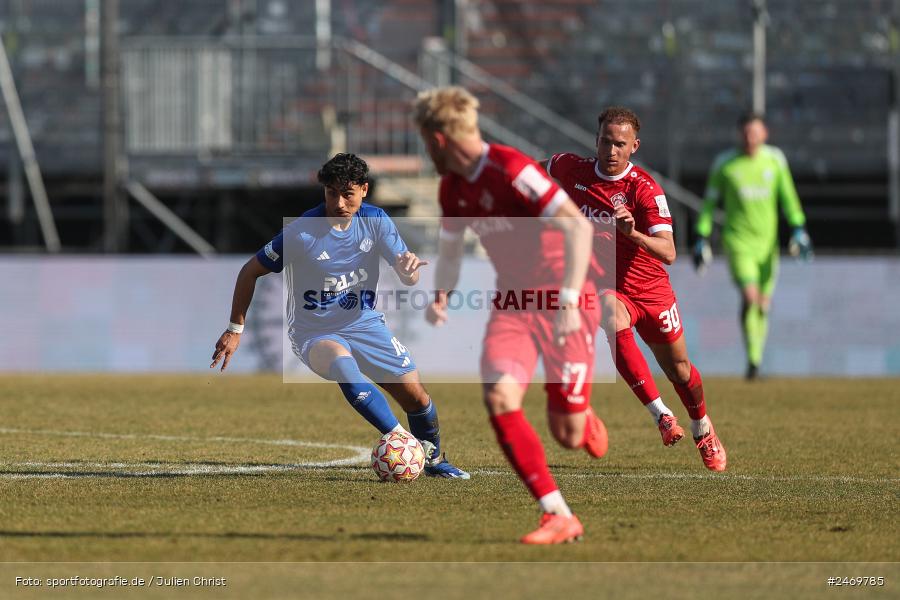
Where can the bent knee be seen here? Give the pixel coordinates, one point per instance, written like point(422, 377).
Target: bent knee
point(569, 439)
point(566, 429)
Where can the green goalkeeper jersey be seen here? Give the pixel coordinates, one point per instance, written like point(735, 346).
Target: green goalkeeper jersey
point(751, 187)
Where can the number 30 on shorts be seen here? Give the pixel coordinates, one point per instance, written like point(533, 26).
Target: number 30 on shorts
point(670, 320)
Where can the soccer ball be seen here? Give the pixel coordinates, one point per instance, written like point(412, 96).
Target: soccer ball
point(398, 456)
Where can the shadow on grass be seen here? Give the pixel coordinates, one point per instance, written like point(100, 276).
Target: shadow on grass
point(392, 537)
point(114, 535)
point(195, 469)
point(303, 537)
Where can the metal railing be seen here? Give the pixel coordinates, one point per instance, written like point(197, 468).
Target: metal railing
point(250, 95)
point(245, 95)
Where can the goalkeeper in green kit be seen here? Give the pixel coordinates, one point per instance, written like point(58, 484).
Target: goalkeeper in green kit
point(751, 181)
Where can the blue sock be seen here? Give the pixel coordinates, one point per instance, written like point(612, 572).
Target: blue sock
point(424, 425)
point(364, 397)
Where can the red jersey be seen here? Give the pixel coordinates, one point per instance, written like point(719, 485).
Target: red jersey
point(638, 273)
point(502, 202)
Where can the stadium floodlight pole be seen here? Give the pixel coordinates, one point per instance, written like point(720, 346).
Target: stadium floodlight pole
point(760, 23)
point(323, 34)
point(893, 142)
point(115, 215)
point(26, 153)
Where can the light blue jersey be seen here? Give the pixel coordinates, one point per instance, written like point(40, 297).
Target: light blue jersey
point(332, 275)
point(332, 278)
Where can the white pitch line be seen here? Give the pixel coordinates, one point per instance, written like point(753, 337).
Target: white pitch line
point(710, 476)
point(150, 469)
point(185, 469)
point(360, 456)
point(174, 438)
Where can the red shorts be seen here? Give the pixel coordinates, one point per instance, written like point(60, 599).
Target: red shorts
point(656, 319)
point(513, 340)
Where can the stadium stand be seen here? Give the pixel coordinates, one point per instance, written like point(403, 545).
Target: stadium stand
point(684, 65)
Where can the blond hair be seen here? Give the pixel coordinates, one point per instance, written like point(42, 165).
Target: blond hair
point(452, 110)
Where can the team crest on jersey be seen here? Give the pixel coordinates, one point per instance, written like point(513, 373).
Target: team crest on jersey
point(619, 200)
point(486, 201)
point(366, 245)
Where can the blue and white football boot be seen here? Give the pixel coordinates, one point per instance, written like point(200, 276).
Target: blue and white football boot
point(439, 466)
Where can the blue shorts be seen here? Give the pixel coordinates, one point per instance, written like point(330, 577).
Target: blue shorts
point(380, 355)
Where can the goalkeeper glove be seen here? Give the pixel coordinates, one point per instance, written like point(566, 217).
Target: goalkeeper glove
point(800, 245)
point(702, 255)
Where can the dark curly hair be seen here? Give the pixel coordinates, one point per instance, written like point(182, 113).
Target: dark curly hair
point(343, 171)
point(619, 115)
point(749, 117)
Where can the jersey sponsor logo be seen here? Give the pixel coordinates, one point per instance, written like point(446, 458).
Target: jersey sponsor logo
point(490, 226)
point(345, 281)
point(754, 193)
point(366, 245)
point(323, 256)
point(663, 206)
point(270, 252)
point(486, 201)
point(619, 200)
point(595, 215)
point(531, 183)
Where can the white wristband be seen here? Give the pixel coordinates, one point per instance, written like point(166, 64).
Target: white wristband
point(235, 328)
point(568, 296)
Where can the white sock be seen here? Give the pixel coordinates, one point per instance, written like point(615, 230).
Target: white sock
point(658, 408)
point(399, 429)
point(554, 503)
point(700, 427)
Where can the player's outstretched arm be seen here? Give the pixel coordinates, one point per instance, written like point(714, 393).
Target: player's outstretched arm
point(446, 276)
point(229, 341)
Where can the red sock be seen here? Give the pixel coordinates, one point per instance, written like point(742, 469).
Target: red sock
point(633, 368)
point(523, 449)
point(691, 394)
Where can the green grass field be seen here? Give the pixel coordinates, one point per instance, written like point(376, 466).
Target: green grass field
point(216, 469)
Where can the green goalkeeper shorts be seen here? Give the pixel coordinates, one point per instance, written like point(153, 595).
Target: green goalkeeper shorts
point(749, 269)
